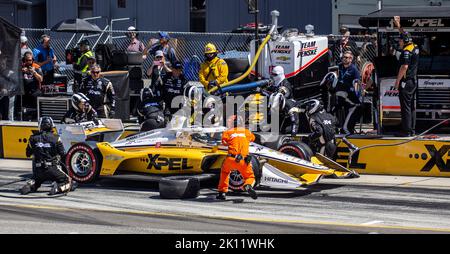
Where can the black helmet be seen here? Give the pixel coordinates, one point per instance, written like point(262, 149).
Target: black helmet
point(77, 99)
point(406, 37)
point(146, 94)
point(46, 124)
point(313, 106)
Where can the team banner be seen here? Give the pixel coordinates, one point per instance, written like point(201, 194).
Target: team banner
point(10, 72)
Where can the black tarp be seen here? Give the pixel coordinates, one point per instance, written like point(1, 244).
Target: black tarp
point(383, 17)
point(10, 63)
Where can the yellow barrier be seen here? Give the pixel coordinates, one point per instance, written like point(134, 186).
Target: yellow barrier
point(430, 158)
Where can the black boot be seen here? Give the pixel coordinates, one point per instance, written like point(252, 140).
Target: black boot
point(28, 188)
point(249, 189)
point(221, 196)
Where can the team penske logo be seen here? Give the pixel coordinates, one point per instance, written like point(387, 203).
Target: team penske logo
point(308, 49)
point(160, 163)
point(282, 49)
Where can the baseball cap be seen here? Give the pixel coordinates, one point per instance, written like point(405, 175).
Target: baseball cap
point(164, 35)
point(23, 39)
point(159, 53)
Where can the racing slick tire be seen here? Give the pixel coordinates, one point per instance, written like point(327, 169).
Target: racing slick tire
point(83, 163)
point(179, 187)
point(297, 149)
point(237, 181)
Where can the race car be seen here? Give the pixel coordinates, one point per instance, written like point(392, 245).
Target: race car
point(196, 153)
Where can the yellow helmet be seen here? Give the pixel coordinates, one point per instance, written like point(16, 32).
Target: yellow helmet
point(210, 49)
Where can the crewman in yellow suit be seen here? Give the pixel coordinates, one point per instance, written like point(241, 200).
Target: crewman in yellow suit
point(214, 71)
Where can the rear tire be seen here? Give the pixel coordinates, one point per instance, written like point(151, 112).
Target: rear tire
point(179, 187)
point(83, 163)
point(297, 149)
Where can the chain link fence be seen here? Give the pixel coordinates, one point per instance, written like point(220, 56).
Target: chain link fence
point(189, 47)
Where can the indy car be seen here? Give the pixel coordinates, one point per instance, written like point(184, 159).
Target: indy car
point(193, 153)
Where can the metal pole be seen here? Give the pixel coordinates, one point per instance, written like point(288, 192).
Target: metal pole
point(257, 37)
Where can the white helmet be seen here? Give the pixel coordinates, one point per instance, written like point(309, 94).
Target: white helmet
point(278, 75)
point(193, 95)
point(277, 100)
point(77, 99)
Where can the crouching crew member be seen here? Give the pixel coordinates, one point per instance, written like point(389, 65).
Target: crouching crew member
point(151, 111)
point(323, 127)
point(289, 110)
point(100, 92)
point(238, 141)
point(81, 111)
point(47, 151)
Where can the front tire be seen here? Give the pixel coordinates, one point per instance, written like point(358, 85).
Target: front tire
point(83, 163)
point(297, 149)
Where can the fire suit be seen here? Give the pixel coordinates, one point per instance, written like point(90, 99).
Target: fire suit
point(238, 141)
point(214, 72)
point(47, 150)
point(173, 87)
point(101, 95)
point(151, 115)
point(75, 116)
point(323, 127)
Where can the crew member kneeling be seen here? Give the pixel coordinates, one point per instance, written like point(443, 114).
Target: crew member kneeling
point(238, 141)
point(151, 111)
point(323, 127)
point(47, 151)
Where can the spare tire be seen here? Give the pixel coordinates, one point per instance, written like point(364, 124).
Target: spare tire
point(297, 149)
point(179, 187)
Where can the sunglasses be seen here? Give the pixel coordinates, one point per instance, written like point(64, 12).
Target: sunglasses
point(347, 57)
point(95, 72)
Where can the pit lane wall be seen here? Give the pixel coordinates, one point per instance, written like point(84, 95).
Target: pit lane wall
point(14, 138)
point(423, 157)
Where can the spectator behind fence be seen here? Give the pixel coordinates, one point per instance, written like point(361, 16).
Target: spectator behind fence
point(163, 45)
point(45, 56)
point(32, 79)
point(135, 44)
point(157, 72)
point(24, 46)
point(345, 44)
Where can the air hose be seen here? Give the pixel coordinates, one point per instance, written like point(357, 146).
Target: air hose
point(244, 87)
point(235, 81)
point(354, 149)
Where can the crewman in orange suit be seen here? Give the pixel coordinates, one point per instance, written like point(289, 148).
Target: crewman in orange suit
point(238, 140)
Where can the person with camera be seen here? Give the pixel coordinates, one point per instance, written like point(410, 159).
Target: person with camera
point(48, 152)
point(45, 57)
point(162, 45)
point(100, 92)
point(81, 67)
point(157, 72)
point(81, 111)
point(238, 140)
point(32, 78)
point(214, 71)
